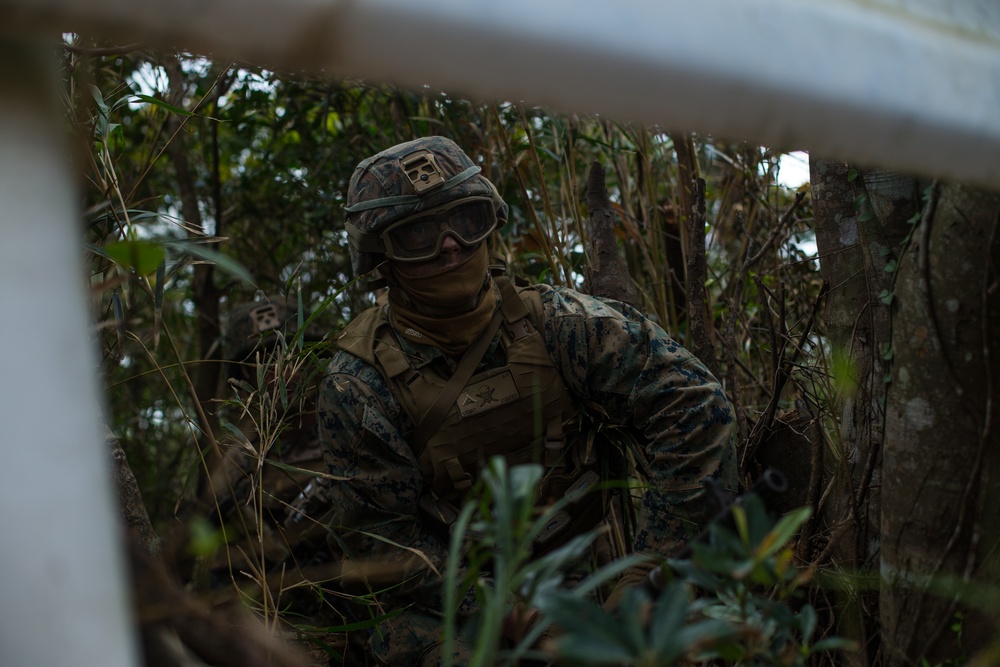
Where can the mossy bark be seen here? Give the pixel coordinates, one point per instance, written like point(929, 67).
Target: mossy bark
point(861, 221)
point(941, 517)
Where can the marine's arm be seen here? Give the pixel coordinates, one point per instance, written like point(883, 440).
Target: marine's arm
point(377, 486)
point(641, 377)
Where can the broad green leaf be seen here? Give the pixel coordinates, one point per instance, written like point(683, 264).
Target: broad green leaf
point(783, 531)
point(668, 617)
point(143, 257)
point(99, 98)
point(807, 621)
point(705, 633)
point(160, 103)
point(225, 263)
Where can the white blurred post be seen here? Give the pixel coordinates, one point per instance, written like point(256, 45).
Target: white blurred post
point(62, 570)
point(908, 85)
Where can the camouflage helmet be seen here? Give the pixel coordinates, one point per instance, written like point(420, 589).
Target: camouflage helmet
point(252, 324)
point(403, 181)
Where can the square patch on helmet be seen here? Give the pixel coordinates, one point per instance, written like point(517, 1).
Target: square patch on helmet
point(265, 317)
point(422, 170)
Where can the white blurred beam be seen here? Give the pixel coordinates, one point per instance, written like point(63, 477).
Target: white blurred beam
point(891, 83)
point(62, 573)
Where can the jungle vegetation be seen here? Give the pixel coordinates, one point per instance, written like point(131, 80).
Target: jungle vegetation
point(851, 320)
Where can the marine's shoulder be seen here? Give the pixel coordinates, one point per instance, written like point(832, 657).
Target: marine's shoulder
point(350, 382)
point(358, 337)
point(345, 362)
point(559, 301)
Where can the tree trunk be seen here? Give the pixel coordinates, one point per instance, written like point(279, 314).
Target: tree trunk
point(941, 519)
point(860, 224)
point(607, 273)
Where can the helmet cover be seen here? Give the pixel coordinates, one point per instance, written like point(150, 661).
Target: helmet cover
point(404, 180)
point(253, 324)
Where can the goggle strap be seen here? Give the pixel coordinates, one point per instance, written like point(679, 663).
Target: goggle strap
point(366, 242)
point(401, 200)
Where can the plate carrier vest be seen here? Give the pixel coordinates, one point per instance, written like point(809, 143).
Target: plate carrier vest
point(521, 410)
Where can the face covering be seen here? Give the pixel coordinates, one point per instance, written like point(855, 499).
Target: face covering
point(447, 310)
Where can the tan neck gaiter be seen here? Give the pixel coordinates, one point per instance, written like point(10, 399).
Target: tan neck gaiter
point(447, 310)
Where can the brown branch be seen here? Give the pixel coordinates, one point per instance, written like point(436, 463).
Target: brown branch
point(104, 51)
point(607, 273)
point(696, 271)
point(130, 503)
point(748, 261)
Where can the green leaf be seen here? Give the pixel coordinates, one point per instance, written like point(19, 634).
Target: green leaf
point(740, 519)
point(852, 175)
point(589, 650)
point(590, 634)
point(225, 264)
point(283, 391)
point(807, 622)
point(99, 98)
point(631, 617)
point(205, 538)
point(236, 432)
point(160, 103)
point(242, 384)
point(708, 632)
point(890, 266)
point(143, 257)
point(834, 644)
point(668, 618)
point(885, 296)
point(783, 531)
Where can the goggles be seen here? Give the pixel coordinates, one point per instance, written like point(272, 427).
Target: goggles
point(419, 237)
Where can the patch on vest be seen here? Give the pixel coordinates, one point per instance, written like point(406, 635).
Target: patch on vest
point(484, 394)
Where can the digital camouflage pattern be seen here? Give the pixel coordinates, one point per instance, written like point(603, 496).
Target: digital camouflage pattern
point(607, 353)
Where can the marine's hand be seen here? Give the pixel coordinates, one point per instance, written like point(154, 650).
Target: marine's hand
point(634, 576)
point(518, 622)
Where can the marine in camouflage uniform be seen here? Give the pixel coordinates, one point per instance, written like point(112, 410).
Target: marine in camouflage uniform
point(265, 480)
point(595, 355)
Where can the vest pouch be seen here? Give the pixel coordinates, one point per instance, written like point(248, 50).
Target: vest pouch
point(555, 526)
point(439, 517)
point(583, 512)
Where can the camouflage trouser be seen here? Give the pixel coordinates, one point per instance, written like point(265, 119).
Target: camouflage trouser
point(413, 638)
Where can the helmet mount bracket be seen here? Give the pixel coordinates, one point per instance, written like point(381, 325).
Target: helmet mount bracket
point(265, 318)
point(422, 170)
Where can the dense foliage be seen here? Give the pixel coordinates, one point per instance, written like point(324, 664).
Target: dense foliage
point(209, 184)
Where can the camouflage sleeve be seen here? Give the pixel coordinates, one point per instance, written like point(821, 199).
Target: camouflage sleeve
point(609, 353)
point(376, 486)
